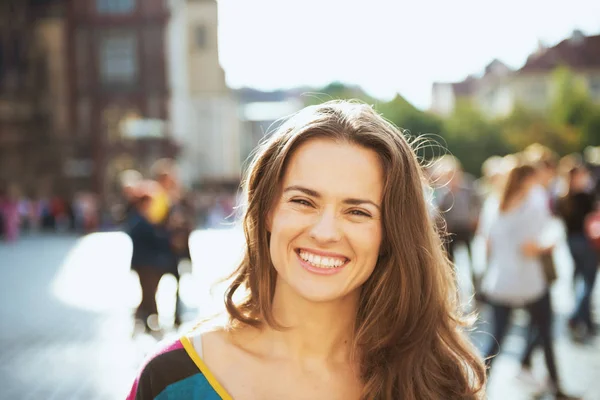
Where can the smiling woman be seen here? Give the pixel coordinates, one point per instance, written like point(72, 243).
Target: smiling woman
point(327, 220)
point(348, 294)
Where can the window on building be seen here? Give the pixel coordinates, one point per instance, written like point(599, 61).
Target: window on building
point(154, 107)
point(153, 53)
point(82, 51)
point(118, 59)
point(200, 37)
point(84, 115)
point(115, 6)
point(2, 62)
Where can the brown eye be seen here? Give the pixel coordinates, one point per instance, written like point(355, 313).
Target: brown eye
point(359, 213)
point(302, 202)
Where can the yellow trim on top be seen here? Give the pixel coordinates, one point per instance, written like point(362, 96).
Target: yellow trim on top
point(189, 348)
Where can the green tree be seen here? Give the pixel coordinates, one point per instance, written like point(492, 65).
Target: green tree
point(338, 91)
point(421, 128)
point(406, 116)
point(524, 127)
point(591, 128)
point(472, 138)
point(571, 104)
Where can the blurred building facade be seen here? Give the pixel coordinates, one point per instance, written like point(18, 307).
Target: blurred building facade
point(34, 128)
point(259, 118)
point(500, 89)
point(119, 89)
point(83, 92)
point(261, 112)
point(204, 112)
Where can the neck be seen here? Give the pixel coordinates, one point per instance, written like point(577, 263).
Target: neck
point(313, 330)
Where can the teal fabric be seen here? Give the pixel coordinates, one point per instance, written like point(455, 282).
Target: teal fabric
point(196, 387)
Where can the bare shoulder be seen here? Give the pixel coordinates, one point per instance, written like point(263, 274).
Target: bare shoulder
point(208, 340)
point(227, 356)
point(223, 342)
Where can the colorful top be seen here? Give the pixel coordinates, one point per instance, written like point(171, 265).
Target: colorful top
point(177, 372)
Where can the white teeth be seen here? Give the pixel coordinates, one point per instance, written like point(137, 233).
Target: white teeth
point(321, 262)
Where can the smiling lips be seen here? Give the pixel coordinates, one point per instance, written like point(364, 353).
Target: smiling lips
point(322, 261)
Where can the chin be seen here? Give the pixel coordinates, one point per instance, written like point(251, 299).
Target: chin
point(318, 293)
point(321, 297)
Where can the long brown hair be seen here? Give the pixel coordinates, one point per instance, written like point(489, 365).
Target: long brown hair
point(514, 183)
point(408, 337)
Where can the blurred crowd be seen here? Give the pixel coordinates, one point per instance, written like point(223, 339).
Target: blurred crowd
point(87, 212)
point(515, 207)
point(23, 214)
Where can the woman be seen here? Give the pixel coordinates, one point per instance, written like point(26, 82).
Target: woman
point(574, 208)
point(515, 276)
point(348, 292)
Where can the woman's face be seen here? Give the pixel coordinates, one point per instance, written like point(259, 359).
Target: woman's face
point(326, 225)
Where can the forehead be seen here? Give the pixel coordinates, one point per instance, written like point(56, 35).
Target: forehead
point(336, 168)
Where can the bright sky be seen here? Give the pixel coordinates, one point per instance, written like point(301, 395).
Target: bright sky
point(387, 46)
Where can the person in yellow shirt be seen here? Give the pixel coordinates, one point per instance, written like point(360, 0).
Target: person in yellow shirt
point(165, 193)
point(159, 205)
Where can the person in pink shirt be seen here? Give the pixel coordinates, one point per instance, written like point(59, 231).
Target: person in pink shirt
point(10, 211)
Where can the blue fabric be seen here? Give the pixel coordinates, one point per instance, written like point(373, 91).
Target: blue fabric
point(586, 262)
point(151, 246)
point(196, 387)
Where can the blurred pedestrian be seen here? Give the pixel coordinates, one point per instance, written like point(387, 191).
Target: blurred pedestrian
point(578, 204)
point(11, 214)
point(171, 219)
point(515, 275)
point(460, 205)
point(146, 259)
point(160, 234)
point(495, 171)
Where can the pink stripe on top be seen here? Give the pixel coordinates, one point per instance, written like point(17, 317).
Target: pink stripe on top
point(162, 350)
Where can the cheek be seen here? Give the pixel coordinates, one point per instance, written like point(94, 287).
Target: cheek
point(284, 221)
point(285, 226)
point(367, 241)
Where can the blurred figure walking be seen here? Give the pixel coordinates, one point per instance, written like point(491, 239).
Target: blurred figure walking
point(578, 204)
point(515, 276)
point(459, 205)
point(159, 225)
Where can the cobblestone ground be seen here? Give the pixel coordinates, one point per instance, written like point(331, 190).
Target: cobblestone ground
point(66, 331)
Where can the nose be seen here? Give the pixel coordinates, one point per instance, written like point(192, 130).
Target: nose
point(326, 229)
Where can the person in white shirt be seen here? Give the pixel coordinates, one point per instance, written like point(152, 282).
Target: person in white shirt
point(515, 276)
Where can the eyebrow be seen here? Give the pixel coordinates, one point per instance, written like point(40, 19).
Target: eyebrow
point(314, 193)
